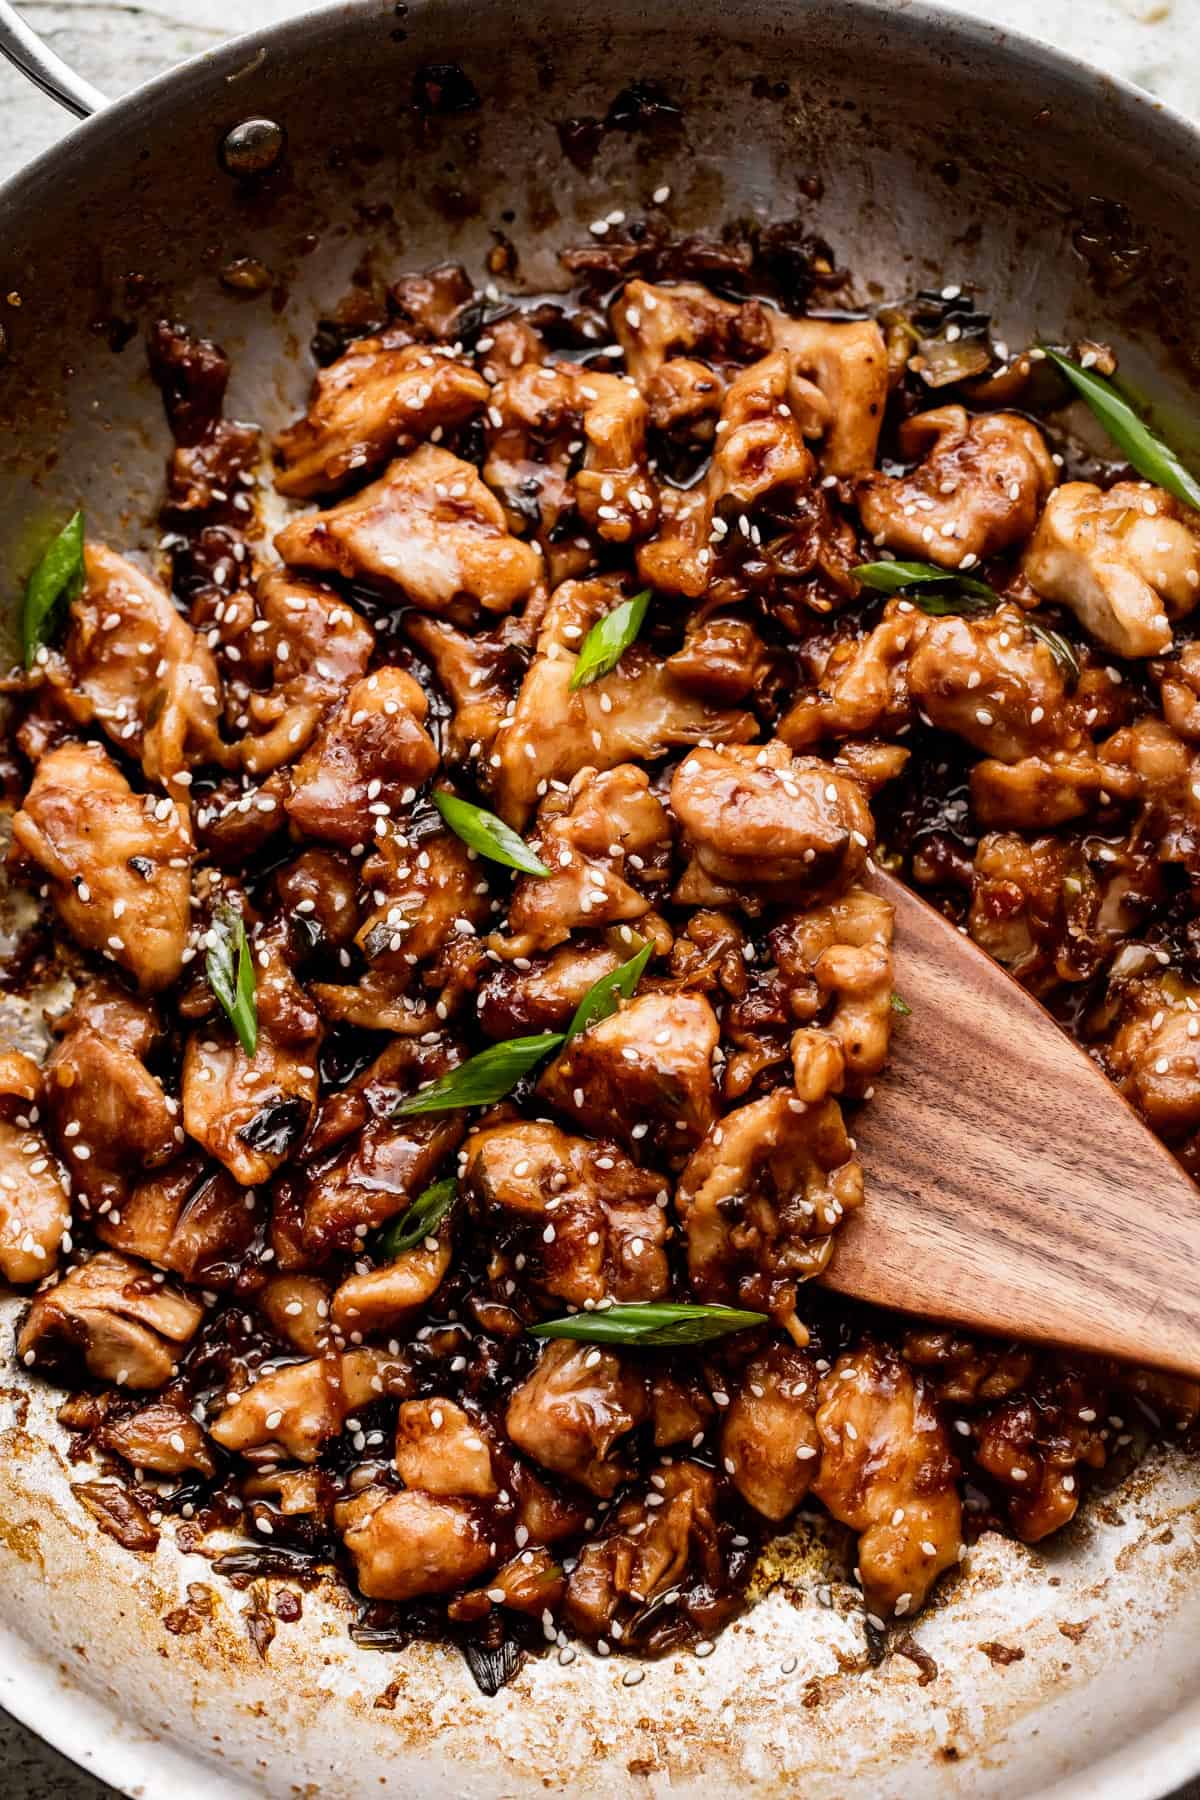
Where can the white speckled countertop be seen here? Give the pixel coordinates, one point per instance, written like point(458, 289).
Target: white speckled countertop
point(1152, 42)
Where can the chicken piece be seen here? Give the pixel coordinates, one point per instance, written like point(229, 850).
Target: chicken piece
point(430, 300)
point(848, 364)
point(979, 489)
point(118, 863)
point(608, 1228)
point(760, 1199)
point(145, 677)
point(647, 1065)
point(647, 1551)
point(293, 1410)
point(161, 1438)
point(763, 826)
point(111, 1314)
point(769, 1442)
point(108, 1114)
point(840, 953)
point(1017, 911)
point(990, 681)
point(440, 1450)
point(760, 451)
point(684, 397)
point(681, 1407)
point(964, 1371)
point(721, 659)
point(521, 1002)
point(864, 686)
point(1180, 691)
point(297, 1307)
point(385, 1298)
point(375, 400)
point(250, 1112)
point(367, 1166)
point(191, 1219)
point(604, 825)
point(635, 714)
point(570, 1414)
point(531, 1583)
point(1154, 1054)
point(1039, 792)
point(409, 1544)
point(129, 1022)
point(886, 1471)
point(363, 771)
point(302, 651)
point(1033, 1445)
point(1126, 562)
point(479, 673)
point(429, 529)
point(192, 374)
point(654, 323)
point(35, 1209)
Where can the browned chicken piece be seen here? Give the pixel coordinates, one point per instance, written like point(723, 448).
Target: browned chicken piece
point(721, 659)
point(1039, 792)
point(250, 1112)
point(115, 1318)
point(978, 490)
point(1033, 1444)
point(439, 1448)
point(847, 362)
point(108, 1114)
point(299, 653)
point(684, 393)
point(35, 1208)
point(366, 1166)
point(837, 961)
point(427, 895)
point(118, 863)
point(125, 1019)
point(161, 1438)
point(760, 451)
point(1180, 691)
point(595, 1225)
point(1149, 761)
point(191, 1219)
point(359, 778)
point(376, 399)
point(478, 673)
point(138, 669)
point(990, 681)
point(650, 1545)
point(653, 323)
point(635, 714)
point(762, 825)
point(864, 686)
point(769, 1443)
point(295, 1409)
point(1125, 561)
point(761, 1198)
point(681, 1406)
point(409, 1544)
point(430, 530)
point(384, 1298)
point(886, 1470)
point(571, 1413)
point(531, 1582)
point(1017, 900)
point(965, 1371)
point(430, 301)
point(297, 1309)
point(1155, 1053)
point(606, 828)
point(516, 1002)
point(540, 412)
point(645, 1074)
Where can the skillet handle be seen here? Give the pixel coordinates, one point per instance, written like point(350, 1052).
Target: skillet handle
point(48, 71)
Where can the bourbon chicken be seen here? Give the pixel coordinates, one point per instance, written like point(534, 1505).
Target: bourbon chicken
point(454, 883)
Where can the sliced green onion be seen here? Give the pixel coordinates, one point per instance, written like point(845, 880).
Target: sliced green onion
point(896, 577)
point(600, 1001)
point(55, 581)
point(482, 1079)
point(484, 832)
point(608, 640)
point(420, 1220)
point(1150, 456)
point(230, 970)
point(651, 1323)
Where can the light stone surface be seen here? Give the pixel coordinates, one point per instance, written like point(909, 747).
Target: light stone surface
point(1152, 42)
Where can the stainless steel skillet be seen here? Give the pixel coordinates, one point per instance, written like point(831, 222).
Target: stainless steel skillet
point(927, 148)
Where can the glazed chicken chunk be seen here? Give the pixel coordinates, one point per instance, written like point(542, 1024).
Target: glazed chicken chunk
point(35, 1206)
point(118, 863)
point(573, 1412)
point(1126, 562)
point(115, 1317)
point(886, 1471)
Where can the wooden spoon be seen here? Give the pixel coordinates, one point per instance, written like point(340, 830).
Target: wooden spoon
point(1010, 1188)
